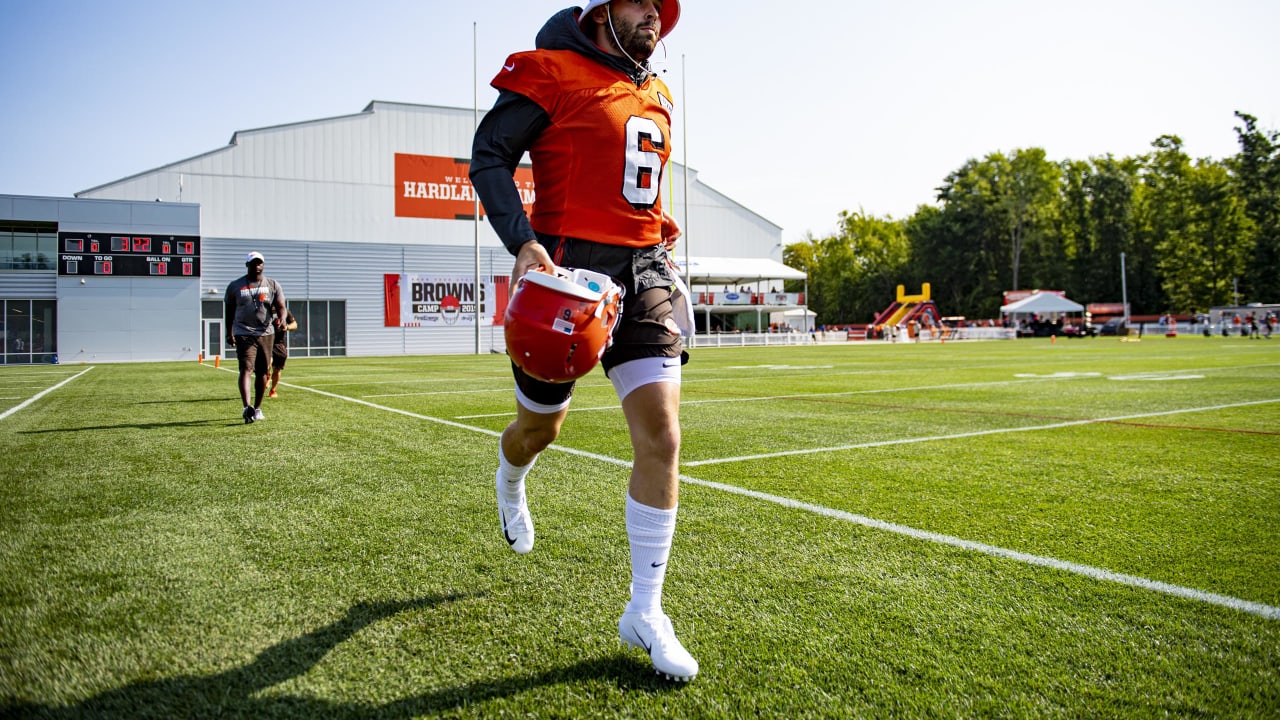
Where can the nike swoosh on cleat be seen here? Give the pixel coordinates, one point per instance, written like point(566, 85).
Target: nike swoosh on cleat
point(505, 532)
point(510, 67)
point(647, 648)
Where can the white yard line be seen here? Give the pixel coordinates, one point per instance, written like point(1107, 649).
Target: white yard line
point(976, 433)
point(1253, 608)
point(1269, 612)
point(505, 390)
point(792, 396)
point(41, 394)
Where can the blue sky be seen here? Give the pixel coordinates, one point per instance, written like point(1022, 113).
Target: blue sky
point(796, 110)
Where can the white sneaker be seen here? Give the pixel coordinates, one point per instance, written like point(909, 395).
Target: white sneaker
point(257, 414)
point(654, 634)
point(517, 525)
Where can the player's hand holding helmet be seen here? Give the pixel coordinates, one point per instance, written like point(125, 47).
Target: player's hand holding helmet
point(559, 324)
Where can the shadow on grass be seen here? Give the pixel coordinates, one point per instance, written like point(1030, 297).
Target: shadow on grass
point(235, 693)
point(136, 426)
point(228, 399)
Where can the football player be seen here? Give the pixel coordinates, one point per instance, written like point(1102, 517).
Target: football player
point(596, 123)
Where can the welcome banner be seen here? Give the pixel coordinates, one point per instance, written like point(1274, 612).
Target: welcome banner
point(412, 300)
point(428, 186)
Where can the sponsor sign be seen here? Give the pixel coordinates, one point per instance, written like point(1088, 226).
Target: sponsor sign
point(412, 300)
point(428, 186)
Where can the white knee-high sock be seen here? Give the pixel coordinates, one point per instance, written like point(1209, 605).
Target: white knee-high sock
point(511, 477)
point(650, 531)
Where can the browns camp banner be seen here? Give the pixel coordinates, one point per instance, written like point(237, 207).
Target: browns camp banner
point(439, 187)
point(442, 300)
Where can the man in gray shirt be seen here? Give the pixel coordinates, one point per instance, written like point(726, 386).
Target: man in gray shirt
point(253, 307)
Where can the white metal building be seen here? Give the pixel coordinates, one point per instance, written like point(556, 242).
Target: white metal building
point(70, 294)
point(368, 222)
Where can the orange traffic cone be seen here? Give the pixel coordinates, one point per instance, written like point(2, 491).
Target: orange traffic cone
point(200, 358)
point(217, 361)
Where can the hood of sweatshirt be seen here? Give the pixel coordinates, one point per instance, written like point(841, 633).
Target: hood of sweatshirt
point(562, 32)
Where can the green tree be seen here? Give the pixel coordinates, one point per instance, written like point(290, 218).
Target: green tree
point(1163, 214)
point(1257, 168)
point(1198, 260)
point(960, 247)
point(854, 272)
point(1108, 229)
point(1027, 185)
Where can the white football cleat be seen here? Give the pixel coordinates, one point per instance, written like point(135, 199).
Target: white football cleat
point(517, 525)
point(257, 414)
point(653, 634)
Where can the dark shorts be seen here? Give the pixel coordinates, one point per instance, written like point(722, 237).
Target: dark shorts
point(646, 328)
point(254, 353)
point(279, 355)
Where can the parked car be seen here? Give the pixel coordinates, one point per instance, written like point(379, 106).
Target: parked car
point(1082, 330)
point(1114, 326)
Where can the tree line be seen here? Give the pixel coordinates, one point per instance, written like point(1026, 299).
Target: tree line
point(1193, 234)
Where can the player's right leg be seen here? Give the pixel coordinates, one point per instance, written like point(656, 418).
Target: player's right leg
point(540, 411)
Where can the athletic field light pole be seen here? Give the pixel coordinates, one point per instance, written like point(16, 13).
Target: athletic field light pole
point(1124, 292)
point(684, 173)
point(475, 215)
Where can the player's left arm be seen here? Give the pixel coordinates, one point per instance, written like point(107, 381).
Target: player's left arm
point(505, 134)
point(280, 310)
point(671, 231)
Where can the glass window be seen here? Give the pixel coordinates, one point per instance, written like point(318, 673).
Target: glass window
point(28, 245)
point(319, 315)
point(322, 328)
point(211, 309)
point(44, 330)
point(6, 249)
point(24, 250)
point(338, 325)
point(298, 338)
point(17, 326)
point(47, 251)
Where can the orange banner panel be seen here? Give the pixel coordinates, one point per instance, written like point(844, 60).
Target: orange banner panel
point(439, 187)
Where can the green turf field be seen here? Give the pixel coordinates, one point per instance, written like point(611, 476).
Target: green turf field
point(1085, 528)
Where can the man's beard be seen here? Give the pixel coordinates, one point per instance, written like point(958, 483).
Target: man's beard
point(634, 43)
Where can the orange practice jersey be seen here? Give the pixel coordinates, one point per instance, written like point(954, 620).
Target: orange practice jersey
point(598, 167)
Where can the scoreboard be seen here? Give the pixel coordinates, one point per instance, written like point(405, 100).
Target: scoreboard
point(107, 255)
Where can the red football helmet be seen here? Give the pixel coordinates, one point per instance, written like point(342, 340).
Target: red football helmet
point(557, 326)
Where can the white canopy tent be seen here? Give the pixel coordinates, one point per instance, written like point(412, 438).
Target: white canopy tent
point(1041, 303)
point(714, 271)
point(762, 276)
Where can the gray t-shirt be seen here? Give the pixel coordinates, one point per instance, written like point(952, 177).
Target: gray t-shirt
point(253, 302)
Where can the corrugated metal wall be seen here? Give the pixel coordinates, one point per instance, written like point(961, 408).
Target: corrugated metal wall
point(318, 199)
point(333, 180)
point(28, 286)
point(354, 273)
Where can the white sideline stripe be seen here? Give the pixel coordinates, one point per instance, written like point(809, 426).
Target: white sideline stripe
point(976, 433)
point(1247, 606)
point(1269, 612)
point(41, 394)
